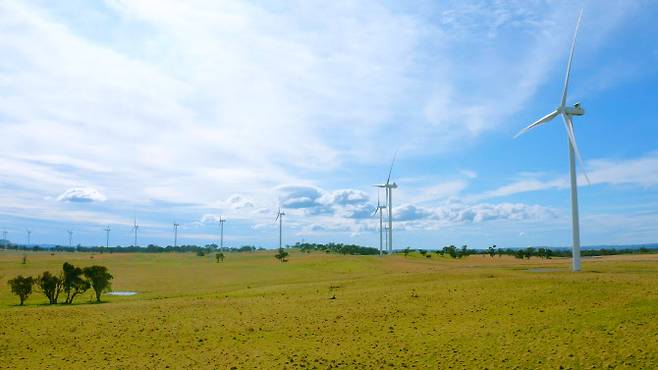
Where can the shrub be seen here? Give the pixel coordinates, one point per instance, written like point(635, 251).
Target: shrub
point(21, 286)
point(99, 278)
point(50, 285)
point(281, 255)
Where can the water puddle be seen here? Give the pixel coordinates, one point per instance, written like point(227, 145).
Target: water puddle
point(121, 293)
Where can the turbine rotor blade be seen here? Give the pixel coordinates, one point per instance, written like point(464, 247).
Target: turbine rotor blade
point(568, 124)
point(540, 121)
point(391, 168)
point(573, 47)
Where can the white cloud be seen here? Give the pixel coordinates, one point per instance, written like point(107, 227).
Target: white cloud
point(82, 195)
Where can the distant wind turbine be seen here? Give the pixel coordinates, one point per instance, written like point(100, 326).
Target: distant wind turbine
point(4, 234)
point(221, 233)
point(380, 207)
point(107, 237)
point(29, 234)
point(567, 113)
point(389, 204)
point(70, 232)
point(176, 234)
point(279, 217)
point(135, 228)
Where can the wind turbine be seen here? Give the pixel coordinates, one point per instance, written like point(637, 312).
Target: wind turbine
point(70, 232)
point(135, 228)
point(279, 216)
point(567, 112)
point(4, 234)
point(107, 237)
point(389, 204)
point(176, 234)
point(221, 233)
point(380, 208)
point(29, 234)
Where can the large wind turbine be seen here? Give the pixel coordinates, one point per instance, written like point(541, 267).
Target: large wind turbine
point(567, 112)
point(279, 217)
point(135, 228)
point(221, 233)
point(29, 234)
point(176, 234)
point(389, 204)
point(107, 237)
point(70, 232)
point(380, 208)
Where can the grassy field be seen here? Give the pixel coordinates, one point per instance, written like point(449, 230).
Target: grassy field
point(389, 312)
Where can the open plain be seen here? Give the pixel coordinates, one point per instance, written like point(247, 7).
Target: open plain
point(333, 311)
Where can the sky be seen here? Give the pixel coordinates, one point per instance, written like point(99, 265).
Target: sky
point(167, 111)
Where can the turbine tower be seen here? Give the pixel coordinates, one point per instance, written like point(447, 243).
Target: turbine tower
point(567, 112)
point(4, 234)
point(135, 228)
point(70, 232)
point(176, 234)
point(29, 235)
point(279, 216)
point(380, 208)
point(221, 233)
point(389, 204)
point(107, 237)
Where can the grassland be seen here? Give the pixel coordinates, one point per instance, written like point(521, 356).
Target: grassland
point(392, 312)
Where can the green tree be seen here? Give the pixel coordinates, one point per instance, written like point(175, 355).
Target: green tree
point(21, 286)
point(492, 250)
point(99, 278)
point(219, 257)
point(422, 252)
point(281, 255)
point(73, 283)
point(406, 251)
point(50, 285)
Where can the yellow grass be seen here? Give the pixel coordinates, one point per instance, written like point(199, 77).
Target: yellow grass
point(392, 312)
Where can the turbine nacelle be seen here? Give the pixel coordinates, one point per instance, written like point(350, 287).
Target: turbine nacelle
point(576, 110)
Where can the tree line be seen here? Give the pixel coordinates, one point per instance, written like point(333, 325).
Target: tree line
point(523, 253)
point(71, 282)
point(151, 248)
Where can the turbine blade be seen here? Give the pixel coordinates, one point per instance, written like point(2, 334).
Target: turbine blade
point(573, 47)
point(540, 121)
point(568, 124)
point(391, 169)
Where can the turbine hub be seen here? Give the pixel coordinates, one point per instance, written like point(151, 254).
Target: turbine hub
point(576, 110)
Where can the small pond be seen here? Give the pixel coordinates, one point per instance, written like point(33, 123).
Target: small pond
point(121, 293)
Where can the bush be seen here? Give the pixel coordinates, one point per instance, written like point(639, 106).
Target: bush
point(21, 286)
point(73, 283)
point(99, 278)
point(50, 285)
point(281, 255)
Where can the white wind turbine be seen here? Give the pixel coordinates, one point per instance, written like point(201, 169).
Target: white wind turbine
point(70, 232)
point(567, 113)
point(221, 233)
point(279, 217)
point(107, 236)
point(135, 228)
point(389, 204)
point(176, 234)
point(380, 208)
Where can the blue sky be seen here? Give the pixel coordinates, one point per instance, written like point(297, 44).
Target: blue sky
point(187, 111)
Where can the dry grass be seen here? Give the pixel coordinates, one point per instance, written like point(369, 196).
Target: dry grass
point(391, 312)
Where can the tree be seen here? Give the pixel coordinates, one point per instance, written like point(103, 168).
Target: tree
point(406, 251)
point(492, 250)
point(219, 257)
point(281, 255)
point(422, 252)
point(99, 278)
point(21, 286)
point(50, 285)
point(73, 283)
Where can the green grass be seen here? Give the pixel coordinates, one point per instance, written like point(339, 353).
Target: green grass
point(253, 312)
